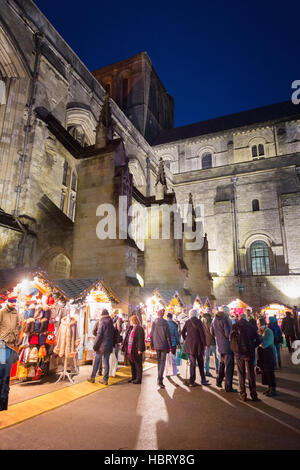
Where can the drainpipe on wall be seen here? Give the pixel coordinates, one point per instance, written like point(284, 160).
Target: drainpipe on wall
point(38, 37)
point(275, 141)
point(236, 233)
point(148, 176)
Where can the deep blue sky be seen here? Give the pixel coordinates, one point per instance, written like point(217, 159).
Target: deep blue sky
point(214, 57)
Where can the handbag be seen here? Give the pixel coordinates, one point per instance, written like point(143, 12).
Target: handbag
point(183, 355)
point(178, 358)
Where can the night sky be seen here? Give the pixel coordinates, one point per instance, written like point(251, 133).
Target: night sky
point(214, 58)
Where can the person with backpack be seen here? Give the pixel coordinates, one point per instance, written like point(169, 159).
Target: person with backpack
point(194, 344)
point(160, 340)
point(220, 329)
point(182, 318)
point(118, 326)
point(278, 338)
point(243, 341)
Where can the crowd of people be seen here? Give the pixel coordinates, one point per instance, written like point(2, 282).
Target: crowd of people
point(251, 344)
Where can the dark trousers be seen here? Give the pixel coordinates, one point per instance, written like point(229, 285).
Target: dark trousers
point(277, 352)
point(194, 360)
point(268, 378)
point(174, 350)
point(242, 365)
point(289, 341)
point(137, 367)
point(97, 367)
point(161, 363)
point(226, 369)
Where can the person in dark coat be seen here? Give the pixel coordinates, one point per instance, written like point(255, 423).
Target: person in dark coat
point(289, 329)
point(103, 346)
point(278, 338)
point(173, 331)
point(194, 345)
point(220, 329)
point(133, 348)
point(245, 360)
point(160, 340)
point(266, 360)
point(211, 347)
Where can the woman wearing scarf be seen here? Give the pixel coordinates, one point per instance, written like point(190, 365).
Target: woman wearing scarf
point(133, 348)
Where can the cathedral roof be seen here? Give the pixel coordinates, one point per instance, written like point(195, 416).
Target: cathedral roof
point(223, 123)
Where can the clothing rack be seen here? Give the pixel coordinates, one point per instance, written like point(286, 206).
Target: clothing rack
point(65, 373)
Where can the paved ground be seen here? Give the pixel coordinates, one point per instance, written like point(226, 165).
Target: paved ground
point(127, 416)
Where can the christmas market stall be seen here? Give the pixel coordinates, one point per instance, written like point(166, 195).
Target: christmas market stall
point(157, 299)
point(86, 300)
point(275, 310)
point(202, 304)
point(237, 307)
point(38, 305)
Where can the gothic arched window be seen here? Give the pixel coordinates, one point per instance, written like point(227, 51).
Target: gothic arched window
point(257, 150)
point(260, 262)
point(254, 151)
point(206, 161)
point(261, 150)
point(255, 205)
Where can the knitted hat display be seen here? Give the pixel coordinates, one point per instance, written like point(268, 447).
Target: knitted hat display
point(31, 372)
point(50, 339)
point(42, 352)
point(33, 355)
point(44, 325)
point(51, 328)
point(46, 313)
point(38, 373)
point(42, 339)
point(34, 339)
point(50, 300)
point(37, 326)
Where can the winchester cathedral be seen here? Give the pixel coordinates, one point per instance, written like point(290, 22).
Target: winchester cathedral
point(71, 140)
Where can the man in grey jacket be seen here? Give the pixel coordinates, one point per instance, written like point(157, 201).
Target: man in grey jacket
point(160, 339)
point(220, 329)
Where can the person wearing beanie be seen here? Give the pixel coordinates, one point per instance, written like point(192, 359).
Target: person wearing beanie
point(220, 329)
point(194, 345)
point(174, 332)
point(103, 346)
point(160, 340)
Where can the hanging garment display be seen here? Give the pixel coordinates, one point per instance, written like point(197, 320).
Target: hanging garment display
point(67, 338)
point(9, 323)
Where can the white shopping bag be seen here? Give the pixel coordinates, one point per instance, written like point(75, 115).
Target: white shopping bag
point(113, 364)
point(171, 366)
